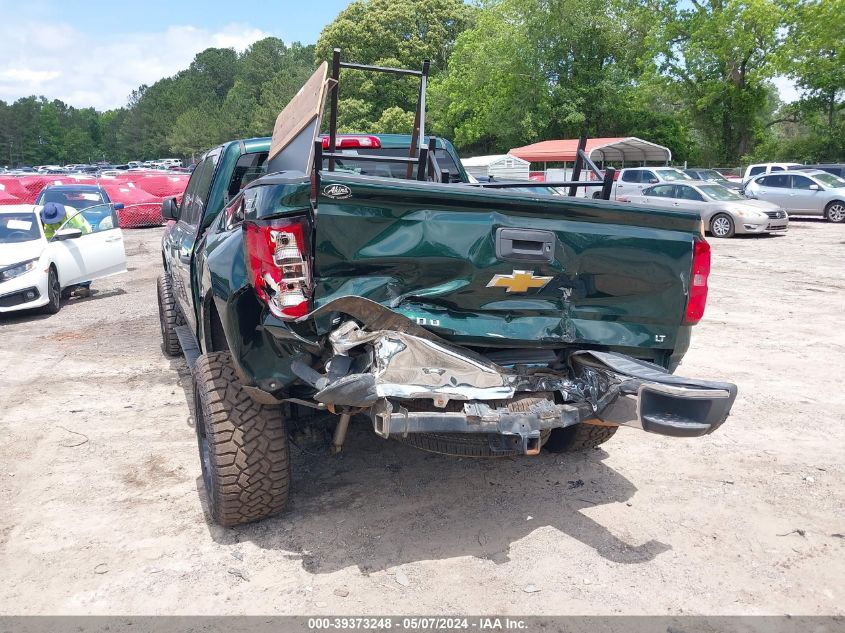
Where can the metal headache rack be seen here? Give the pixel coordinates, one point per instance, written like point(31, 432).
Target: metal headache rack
point(423, 159)
point(420, 159)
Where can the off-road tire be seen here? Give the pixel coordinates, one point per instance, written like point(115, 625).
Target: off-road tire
point(579, 437)
point(54, 293)
point(168, 316)
point(243, 445)
point(465, 444)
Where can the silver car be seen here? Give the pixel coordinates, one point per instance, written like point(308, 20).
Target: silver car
point(805, 193)
point(724, 212)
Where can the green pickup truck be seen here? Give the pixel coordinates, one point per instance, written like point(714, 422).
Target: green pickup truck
point(455, 317)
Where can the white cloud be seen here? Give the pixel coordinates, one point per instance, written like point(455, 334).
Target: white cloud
point(101, 70)
point(28, 76)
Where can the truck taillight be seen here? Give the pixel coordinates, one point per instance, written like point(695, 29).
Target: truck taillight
point(698, 282)
point(277, 254)
point(349, 141)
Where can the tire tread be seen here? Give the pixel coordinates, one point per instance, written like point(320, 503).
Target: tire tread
point(169, 316)
point(248, 444)
point(580, 437)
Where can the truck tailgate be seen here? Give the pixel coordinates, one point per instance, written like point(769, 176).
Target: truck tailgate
point(482, 265)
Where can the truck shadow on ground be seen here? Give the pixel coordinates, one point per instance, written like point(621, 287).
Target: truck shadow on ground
point(382, 504)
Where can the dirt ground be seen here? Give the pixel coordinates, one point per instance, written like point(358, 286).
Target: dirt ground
point(101, 510)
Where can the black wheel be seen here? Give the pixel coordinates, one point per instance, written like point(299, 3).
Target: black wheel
point(243, 445)
point(722, 225)
point(54, 292)
point(466, 444)
point(168, 317)
point(578, 437)
point(835, 212)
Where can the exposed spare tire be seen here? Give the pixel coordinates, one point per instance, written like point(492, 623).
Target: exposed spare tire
point(578, 437)
point(466, 444)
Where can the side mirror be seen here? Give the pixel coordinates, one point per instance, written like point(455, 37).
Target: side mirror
point(117, 206)
point(815, 188)
point(67, 234)
point(169, 209)
point(653, 181)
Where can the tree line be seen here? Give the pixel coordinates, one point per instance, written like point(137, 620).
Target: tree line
point(694, 75)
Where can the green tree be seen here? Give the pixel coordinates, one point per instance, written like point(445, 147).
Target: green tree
point(292, 70)
point(815, 59)
point(394, 120)
point(531, 70)
point(194, 131)
point(715, 58)
point(398, 33)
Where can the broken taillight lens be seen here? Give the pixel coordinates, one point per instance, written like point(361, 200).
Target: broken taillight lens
point(698, 282)
point(277, 254)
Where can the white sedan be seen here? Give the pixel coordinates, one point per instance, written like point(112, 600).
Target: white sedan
point(33, 269)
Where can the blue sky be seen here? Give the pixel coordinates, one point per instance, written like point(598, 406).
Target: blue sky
point(95, 52)
point(287, 19)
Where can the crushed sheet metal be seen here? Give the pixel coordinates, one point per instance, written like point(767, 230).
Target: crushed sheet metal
point(409, 367)
point(406, 366)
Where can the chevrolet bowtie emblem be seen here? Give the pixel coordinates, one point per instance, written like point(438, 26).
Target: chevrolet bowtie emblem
point(518, 281)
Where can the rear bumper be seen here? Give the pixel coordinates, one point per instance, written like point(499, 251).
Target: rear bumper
point(671, 410)
point(416, 383)
point(637, 394)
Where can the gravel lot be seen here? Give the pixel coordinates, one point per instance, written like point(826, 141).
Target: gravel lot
point(102, 511)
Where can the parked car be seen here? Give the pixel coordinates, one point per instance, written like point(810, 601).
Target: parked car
point(723, 211)
point(711, 175)
point(34, 270)
point(93, 198)
point(732, 174)
point(805, 193)
point(632, 180)
point(764, 168)
point(835, 169)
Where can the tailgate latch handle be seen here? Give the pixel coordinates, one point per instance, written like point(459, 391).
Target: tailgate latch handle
point(525, 245)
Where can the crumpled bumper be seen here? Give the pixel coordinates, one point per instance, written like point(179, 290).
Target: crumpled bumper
point(416, 384)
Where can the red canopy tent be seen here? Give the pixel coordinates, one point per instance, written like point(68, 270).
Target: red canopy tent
point(600, 150)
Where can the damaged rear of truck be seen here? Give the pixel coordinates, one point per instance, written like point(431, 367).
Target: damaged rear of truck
point(457, 318)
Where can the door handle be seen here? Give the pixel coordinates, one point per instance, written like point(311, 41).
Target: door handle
point(525, 245)
point(116, 238)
